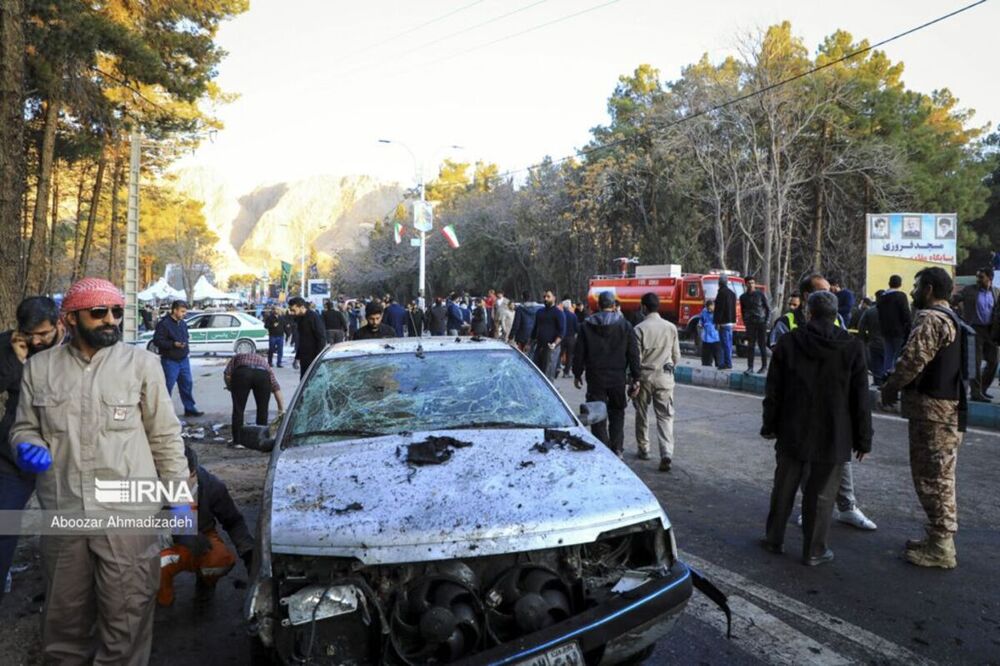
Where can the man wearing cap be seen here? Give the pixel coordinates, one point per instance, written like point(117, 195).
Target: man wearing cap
point(96, 409)
point(376, 328)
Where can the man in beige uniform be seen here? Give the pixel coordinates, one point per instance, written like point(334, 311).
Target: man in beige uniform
point(100, 409)
point(659, 352)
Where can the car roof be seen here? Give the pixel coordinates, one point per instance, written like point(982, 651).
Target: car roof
point(432, 345)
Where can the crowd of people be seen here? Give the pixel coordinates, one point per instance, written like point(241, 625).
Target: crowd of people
point(91, 403)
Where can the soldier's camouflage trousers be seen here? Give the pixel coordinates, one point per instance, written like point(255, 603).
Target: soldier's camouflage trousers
point(933, 454)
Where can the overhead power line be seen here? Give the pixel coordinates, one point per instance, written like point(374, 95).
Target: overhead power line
point(760, 91)
point(452, 35)
point(410, 31)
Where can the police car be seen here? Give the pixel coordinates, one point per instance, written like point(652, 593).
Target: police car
point(220, 332)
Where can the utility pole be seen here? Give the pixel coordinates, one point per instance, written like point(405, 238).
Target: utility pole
point(132, 239)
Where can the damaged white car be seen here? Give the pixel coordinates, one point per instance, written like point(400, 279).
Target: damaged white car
point(432, 502)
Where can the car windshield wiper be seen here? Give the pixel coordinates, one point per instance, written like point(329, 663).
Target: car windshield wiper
point(352, 432)
point(496, 424)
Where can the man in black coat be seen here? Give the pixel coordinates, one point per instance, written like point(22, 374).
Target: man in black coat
point(606, 350)
point(816, 406)
point(756, 315)
point(979, 306)
point(375, 329)
point(311, 333)
point(894, 321)
point(725, 320)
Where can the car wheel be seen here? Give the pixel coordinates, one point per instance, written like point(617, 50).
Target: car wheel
point(245, 347)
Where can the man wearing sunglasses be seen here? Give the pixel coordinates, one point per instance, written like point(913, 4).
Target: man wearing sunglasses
point(38, 329)
point(171, 339)
point(97, 409)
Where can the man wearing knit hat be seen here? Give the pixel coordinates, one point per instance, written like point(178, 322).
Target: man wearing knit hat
point(96, 409)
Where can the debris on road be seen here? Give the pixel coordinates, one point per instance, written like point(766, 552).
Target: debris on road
point(353, 506)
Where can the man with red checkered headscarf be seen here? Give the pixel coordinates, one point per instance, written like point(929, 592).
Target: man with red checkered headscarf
point(96, 410)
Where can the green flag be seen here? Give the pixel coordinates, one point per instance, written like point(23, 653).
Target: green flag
point(286, 275)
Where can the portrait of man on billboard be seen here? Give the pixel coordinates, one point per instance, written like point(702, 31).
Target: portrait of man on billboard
point(912, 227)
point(880, 227)
point(945, 229)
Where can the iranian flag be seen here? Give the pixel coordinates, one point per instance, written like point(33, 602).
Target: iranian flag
point(397, 233)
point(449, 233)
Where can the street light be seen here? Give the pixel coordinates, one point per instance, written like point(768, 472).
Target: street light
point(419, 169)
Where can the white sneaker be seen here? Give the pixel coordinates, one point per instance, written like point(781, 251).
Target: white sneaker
point(855, 518)
point(798, 521)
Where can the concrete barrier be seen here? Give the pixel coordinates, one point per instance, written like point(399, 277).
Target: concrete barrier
point(981, 414)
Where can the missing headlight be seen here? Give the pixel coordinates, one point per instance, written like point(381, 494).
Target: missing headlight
point(318, 602)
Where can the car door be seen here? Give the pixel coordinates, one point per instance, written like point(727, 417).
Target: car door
point(223, 329)
point(197, 334)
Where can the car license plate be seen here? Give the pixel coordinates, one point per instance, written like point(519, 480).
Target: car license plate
point(563, 655)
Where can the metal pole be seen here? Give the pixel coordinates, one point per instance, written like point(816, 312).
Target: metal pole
point(131, 328)
point(423, 249)
point(302, 247)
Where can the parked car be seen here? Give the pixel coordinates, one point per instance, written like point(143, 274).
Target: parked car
point(215, 332)
point(433, 502)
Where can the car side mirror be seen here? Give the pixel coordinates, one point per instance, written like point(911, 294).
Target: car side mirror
point(257, 437)
point(593, 412)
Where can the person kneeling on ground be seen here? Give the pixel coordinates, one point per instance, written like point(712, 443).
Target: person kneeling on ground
point(205, 553)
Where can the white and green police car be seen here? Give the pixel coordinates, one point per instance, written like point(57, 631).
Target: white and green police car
point(220, 332)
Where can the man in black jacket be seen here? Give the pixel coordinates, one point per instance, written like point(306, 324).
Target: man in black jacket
point(38, 329)
point(756, 314)
point(171, 340)
point(205, 553)
point(414, 320)
point(817, 408)
point(547, 333)
point(894, 321)
point(275, 325)
point(335, 323)
point(375, 329)
point(311, 333)
point(605, 350)
point(437, 317)
point(725, 320)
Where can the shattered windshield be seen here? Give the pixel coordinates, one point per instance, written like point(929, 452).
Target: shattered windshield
point(365, 396)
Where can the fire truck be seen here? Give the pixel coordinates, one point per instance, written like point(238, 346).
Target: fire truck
point(682, 295)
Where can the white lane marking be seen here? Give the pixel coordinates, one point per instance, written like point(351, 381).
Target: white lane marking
point(877, 415)
point(871, 643)
point(765, 636)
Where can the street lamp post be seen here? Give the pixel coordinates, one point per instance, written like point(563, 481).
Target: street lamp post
point(419, 170)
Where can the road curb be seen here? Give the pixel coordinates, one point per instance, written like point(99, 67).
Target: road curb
point(981, 415)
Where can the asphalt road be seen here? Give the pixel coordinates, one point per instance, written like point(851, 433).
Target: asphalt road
point(868, 606)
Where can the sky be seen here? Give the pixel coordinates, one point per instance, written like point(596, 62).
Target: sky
point(321, 81)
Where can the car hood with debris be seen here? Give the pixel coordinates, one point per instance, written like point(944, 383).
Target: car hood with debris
point(362, 499)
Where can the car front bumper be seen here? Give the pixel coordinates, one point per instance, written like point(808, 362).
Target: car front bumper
point(610, 632)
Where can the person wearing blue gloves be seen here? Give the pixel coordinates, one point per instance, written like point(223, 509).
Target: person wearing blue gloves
point(96, 409)
point(38, 329)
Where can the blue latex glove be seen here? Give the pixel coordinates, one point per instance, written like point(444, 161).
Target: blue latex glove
point(183, 512)
point(33, 458)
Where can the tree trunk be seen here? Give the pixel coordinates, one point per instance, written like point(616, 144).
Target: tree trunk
point(817, 263)
point(12, 17)
point(116, 183)
point(95, 201)
point(39, 220)
point(47, 282)
point(79, 219)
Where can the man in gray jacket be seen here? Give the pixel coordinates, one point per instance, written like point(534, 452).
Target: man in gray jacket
point(659, 353)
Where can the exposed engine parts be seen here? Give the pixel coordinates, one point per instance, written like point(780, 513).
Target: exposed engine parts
point(441, 612)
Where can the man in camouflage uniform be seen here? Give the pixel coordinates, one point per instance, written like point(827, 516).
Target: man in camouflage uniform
point(934, 430)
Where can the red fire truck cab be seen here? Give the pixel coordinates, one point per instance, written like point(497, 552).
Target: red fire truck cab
point(682, 295)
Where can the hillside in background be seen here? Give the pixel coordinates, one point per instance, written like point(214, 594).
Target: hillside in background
point(259, 229)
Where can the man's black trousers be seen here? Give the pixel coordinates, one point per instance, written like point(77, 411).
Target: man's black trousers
point(244, 382)
point(615, 398)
